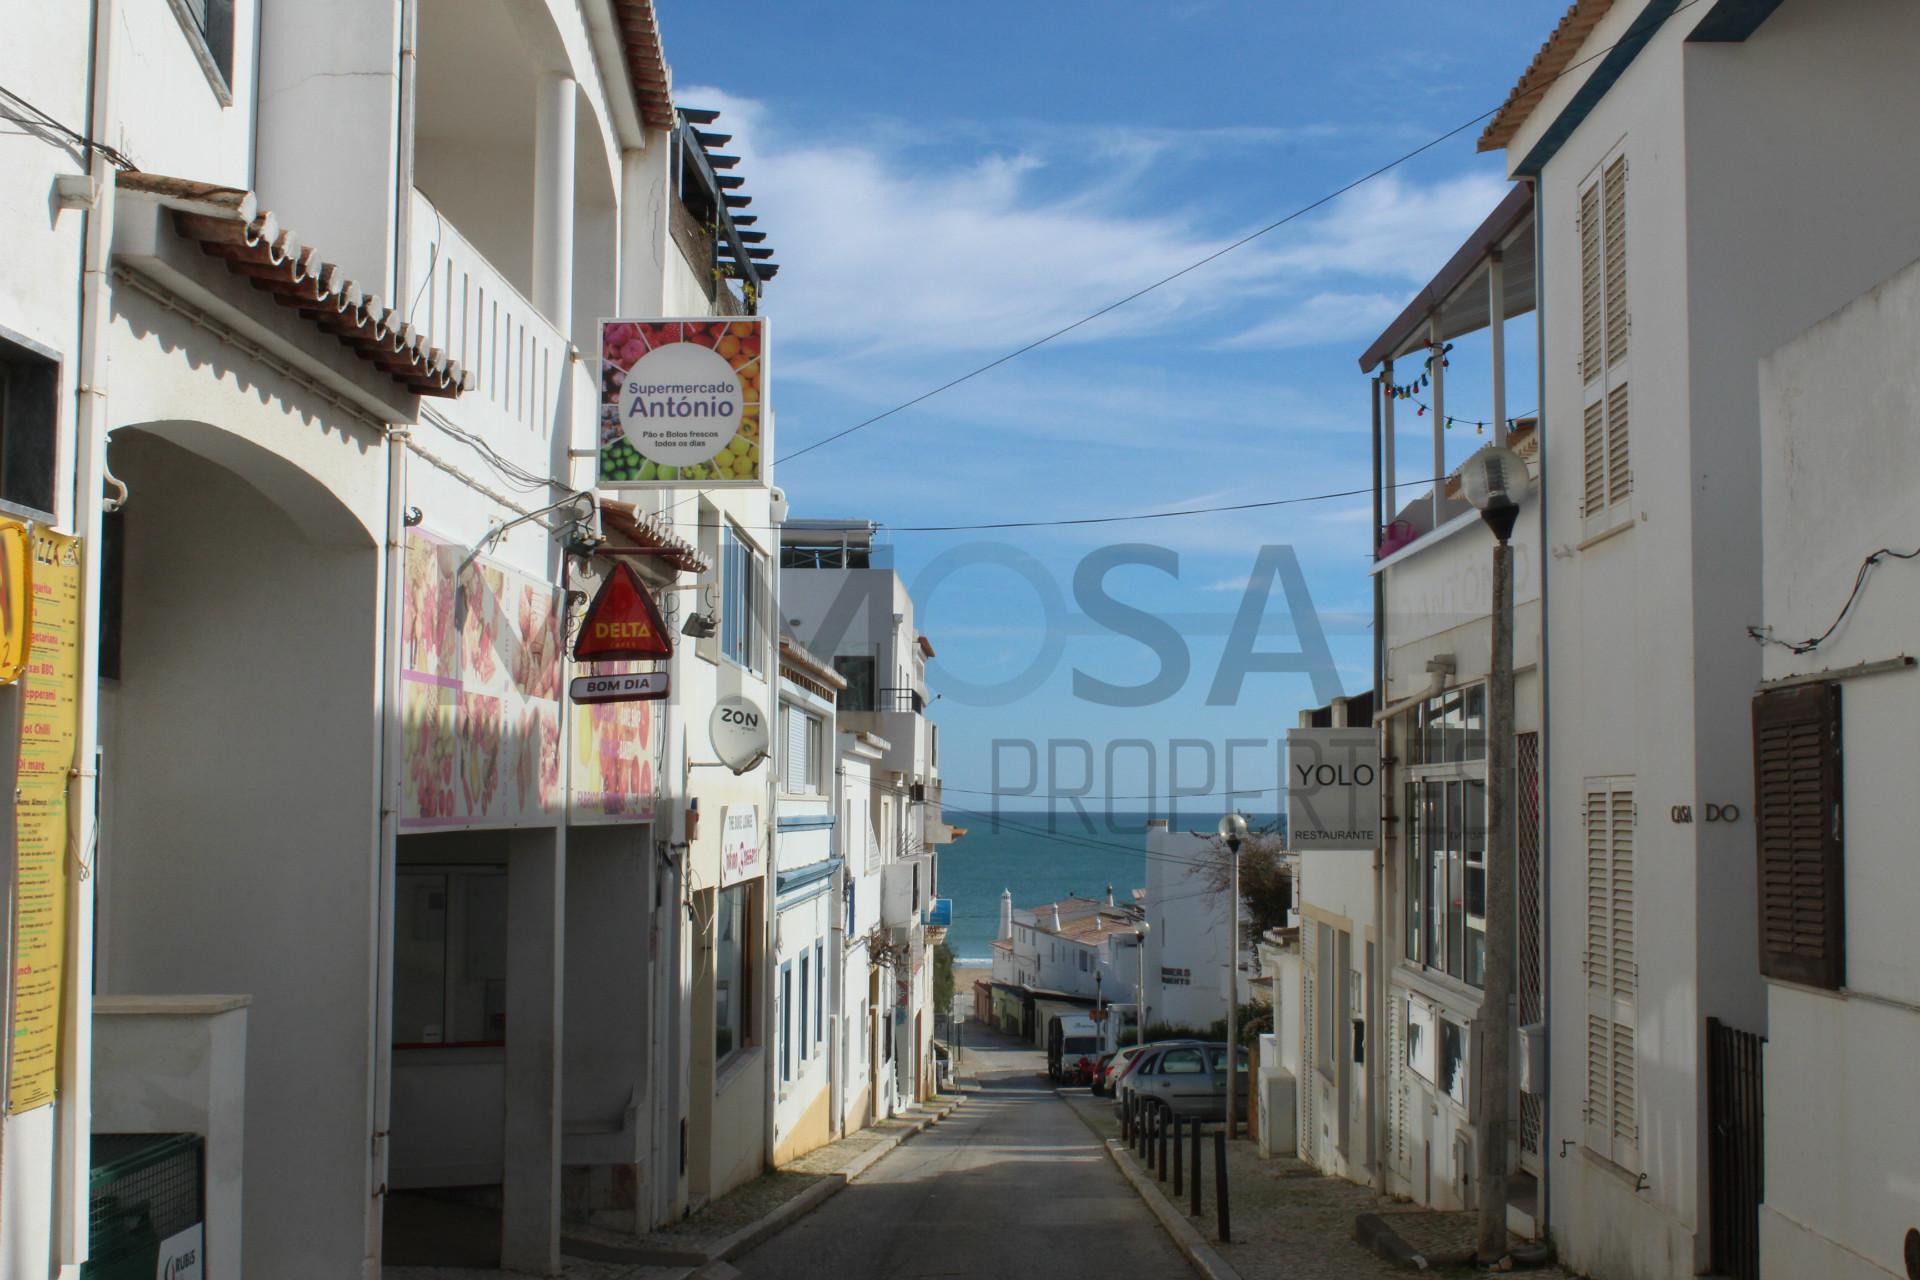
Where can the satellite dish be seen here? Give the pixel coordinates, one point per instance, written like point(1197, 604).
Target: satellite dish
point(739, 732)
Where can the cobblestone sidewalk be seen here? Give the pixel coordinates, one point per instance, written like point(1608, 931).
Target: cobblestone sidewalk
point(1292, 1223)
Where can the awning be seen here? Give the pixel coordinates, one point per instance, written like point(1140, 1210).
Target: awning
point(230, 224)
point(1458, 294)
point(646, 531)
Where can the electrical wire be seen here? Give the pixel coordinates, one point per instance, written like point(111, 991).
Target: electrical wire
point(1217, 254)
point(1765, 636)
point(38, 119)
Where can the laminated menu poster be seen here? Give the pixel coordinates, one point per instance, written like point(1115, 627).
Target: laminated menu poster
point(49, 728)
point(616, 749)
point(480, 692)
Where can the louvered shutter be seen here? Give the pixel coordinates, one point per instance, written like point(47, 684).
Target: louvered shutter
point(1594, 499)
point(1614, 249)
point(1309, 1046)
point(1612, 1102)
point(1592, 304)
point(796, 744)
point(1798, 835)
point(1619, 474)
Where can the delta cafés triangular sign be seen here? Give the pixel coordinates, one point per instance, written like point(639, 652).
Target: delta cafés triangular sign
point(623, 623)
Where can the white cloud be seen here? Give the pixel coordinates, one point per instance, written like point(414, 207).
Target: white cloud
point(886, 254)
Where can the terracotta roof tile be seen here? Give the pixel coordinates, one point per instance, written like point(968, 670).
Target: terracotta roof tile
point(1559, 50)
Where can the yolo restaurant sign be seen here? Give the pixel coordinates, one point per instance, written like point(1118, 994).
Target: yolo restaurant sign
point(1333, 789)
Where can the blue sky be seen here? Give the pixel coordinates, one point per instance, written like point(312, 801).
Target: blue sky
point(944, 184)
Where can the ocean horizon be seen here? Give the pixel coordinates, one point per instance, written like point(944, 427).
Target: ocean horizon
point(1043, 857)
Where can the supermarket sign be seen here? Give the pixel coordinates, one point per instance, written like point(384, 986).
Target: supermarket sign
point(681, 402)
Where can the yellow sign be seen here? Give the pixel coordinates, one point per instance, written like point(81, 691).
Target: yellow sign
point(49, 727)
point(16, 600)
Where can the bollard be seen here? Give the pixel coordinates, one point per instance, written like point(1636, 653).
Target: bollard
point(1220, 1185)
point(1195, 1185)
point(1165, 1122)
point(1179, 1161)
point(1126, 1119)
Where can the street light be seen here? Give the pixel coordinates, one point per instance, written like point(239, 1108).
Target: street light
point(1233, 829)
point(1140, 933)
point(1099, 1005)
point(1495, 480)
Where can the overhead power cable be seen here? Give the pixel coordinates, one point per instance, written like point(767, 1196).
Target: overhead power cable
point(1191, 267)
point(25, 113)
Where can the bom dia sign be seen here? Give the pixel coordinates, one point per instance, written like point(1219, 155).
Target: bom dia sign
point(681, 401)
point(1333, 789)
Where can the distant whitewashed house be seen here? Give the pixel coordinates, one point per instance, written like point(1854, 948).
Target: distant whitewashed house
point(1187, 948)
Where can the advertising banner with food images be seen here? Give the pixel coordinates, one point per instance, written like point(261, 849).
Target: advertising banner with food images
point(615, 753)
point(480, 662)
point(49, 728)
point(681, 402)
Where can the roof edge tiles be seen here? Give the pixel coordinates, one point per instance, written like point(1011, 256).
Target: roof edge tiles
point(646, 61)
point(1547, 65)
point(230, 224)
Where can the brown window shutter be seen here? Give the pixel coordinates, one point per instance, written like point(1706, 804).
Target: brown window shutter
point(1592, 326)
point(1614, 234)
point(1797, 834)
point(1594, 478)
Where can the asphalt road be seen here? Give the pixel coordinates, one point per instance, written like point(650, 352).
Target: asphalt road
point(1011, 1187)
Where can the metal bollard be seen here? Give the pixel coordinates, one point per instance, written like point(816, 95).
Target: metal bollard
point(1179, 1162)
point(1165, 1122)
point(1153, 1129)
point(1220, 1185)
point(1126, 1120)
point(1195, 1202)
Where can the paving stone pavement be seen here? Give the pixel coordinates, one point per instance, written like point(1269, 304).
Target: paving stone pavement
point(1292, 1223)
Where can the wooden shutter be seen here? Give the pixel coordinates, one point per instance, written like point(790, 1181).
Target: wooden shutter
point(1612, 1103)
point(1619, 474)
point(1797, 834)
point(796, 747)
point(1614, 249)
point(1592, 307)
point(1594, 499)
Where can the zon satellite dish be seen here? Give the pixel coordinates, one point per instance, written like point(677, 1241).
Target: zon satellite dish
point(739, 733)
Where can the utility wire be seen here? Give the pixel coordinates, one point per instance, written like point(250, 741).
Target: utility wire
point(35, 118)
point(1765, 636)
point(1217, 254)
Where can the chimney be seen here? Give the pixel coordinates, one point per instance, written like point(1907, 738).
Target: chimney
point(1056, 917)
point(1109, 895)
point(1006, 913)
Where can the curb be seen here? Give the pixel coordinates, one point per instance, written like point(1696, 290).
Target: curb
point(813, 1197)
point(1203, 1257)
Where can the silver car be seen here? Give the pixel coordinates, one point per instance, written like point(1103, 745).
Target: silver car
point(1188, 1080)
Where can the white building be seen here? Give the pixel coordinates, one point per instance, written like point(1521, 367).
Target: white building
point(841, 598)
point(1187, 937)
point(1837, 886)
point(1709, 180)
point(343, 802)
point(864, 1089)
point(1074, 952)
point(809, 921)
point(1393, 946)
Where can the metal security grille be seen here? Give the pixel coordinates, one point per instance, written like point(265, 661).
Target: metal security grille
point(1735, 1169)
point(1531, 989)
point(145, 1187)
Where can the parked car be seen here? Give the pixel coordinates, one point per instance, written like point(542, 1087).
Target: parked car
point(1099, 1080)
point(1116, 1066)
point(1138, 1059)
point(1188, 1080)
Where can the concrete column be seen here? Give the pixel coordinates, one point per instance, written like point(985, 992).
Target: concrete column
point(536, 916)
point(1386, 449)
point(1497, 337)
point(1436, 350)
point(553, 124)
point(644, 192)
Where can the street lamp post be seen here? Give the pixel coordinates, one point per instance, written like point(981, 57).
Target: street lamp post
point(1495, 479)
point(1140, 933)
point(1233, 829)
point(1100, 1004)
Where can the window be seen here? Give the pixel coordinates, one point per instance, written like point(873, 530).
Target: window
point(29, 423)
point(1604, 330)
point(209, 25)
point(858, 673)
point(819, 992)
point(1444, 883)
point(450, 958)
point(735, 955)
point(786, 1021)
point(803, 732)
point(1612, 1113)
point(806, 994)
point(1422, 1040)
point(1453, 1061)
point(743, 600)
point(1180, 1062)
point(1798, 835)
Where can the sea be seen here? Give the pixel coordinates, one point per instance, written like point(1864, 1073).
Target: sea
point(1043, 857)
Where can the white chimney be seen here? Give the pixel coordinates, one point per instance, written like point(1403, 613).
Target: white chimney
point(1109, 895)
point(1006, 913)
point(1056, 917)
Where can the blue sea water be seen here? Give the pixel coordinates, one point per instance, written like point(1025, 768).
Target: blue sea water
point(1042, 858)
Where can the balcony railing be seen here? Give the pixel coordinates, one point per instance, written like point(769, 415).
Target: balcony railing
point(899, 699)
point(470, 311)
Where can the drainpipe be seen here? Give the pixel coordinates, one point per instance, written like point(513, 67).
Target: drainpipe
point(73, 1155)
point(1376, 977)
point(1546, 735)
point(392, 734)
